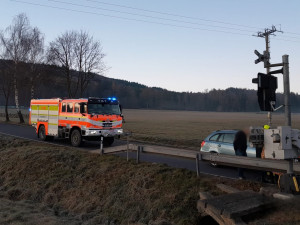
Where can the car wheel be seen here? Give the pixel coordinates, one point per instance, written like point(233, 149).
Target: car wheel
point(76, 138)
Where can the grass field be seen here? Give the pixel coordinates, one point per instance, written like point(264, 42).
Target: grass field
point(60, 185)
point(55, 185)
point(188, 128)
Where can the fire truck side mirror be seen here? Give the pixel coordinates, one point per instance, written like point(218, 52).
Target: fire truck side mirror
point(121, 109)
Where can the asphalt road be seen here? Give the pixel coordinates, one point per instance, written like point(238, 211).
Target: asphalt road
point(230, 172)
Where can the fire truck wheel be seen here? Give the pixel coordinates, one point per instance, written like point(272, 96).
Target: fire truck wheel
point(42, 133)
point(43, 136)
point(108, 141)
point(76, 138)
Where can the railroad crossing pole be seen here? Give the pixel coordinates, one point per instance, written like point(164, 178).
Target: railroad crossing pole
point(268, 69)
point(266, 34)
point(287, 106)
point(286, 80)
point(286, 86)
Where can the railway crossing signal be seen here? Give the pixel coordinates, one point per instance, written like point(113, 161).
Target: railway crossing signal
point(266, 56)
point(262, 58)
point(266, 92)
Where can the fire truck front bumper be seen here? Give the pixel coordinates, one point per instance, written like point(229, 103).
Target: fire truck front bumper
point(104, 133)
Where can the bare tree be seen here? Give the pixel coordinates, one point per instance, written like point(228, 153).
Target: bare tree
point(89, 59)
point(35, 57)
point(61, 53)
point(16, 41)
point(6, 84)
point(79, 56)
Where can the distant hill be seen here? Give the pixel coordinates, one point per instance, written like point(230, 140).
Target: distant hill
point(138, 96)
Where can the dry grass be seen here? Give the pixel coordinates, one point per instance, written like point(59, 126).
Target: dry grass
point(46, 184)
point(64, 184)
point(29, 212)
point(94, 189)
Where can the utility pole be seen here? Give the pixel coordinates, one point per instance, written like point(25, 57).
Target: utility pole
point(286, 85)
point(266, 35)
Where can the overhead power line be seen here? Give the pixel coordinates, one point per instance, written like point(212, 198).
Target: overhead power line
point(136, 20)
point(183, 16)
point(293, 33)
point(171, 14)
point(126, 18)
point(147, 16)
point(282, 39)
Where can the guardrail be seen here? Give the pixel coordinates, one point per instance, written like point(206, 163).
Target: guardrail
point(250, 163)
point(228, 160)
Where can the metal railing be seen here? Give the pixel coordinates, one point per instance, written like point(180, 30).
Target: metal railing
point(220, 159)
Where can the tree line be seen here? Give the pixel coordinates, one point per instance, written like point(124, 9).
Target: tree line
point(137, 96)
point(72, 66)
point(76, 54)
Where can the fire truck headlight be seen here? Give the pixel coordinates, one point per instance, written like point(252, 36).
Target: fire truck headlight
point(120, 131)
point(93, 132)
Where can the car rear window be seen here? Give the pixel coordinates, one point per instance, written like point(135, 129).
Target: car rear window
point(214, 137)
point(227, 138)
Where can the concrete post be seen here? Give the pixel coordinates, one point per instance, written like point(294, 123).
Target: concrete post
point(287, 105)
point(127, 153)
point(138, 154)
point(198, 164)
point(286, 86)
point(101, 145)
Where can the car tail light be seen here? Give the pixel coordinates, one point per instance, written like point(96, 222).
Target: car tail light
point(202, 143)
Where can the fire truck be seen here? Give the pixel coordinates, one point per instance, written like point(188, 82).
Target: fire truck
point(77, 119)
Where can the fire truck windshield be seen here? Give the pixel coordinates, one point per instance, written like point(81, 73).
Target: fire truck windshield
point(104, 109)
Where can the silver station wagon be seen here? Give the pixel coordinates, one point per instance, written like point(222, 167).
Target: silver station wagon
point(221, 142)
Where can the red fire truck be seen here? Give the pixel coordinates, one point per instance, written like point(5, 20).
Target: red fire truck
point(77, 119)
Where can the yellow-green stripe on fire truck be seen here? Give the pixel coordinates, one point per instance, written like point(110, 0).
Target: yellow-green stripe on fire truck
point(36, 114)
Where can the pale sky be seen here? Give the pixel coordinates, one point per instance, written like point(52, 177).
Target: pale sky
point(173, 57)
